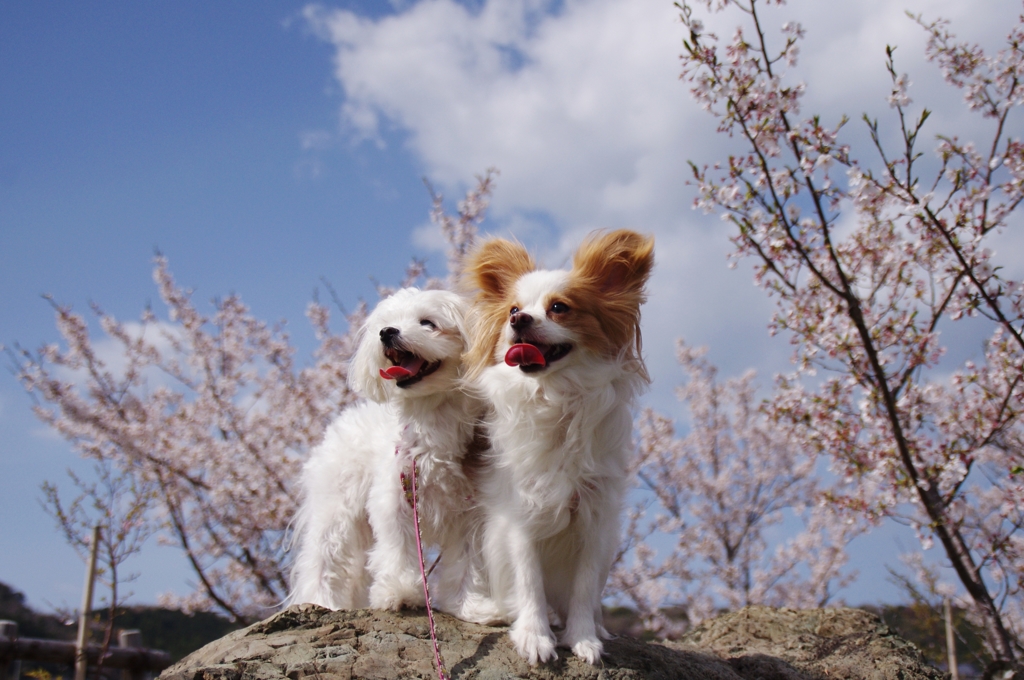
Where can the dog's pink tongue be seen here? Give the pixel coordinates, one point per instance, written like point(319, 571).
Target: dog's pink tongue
point(408, 368)
point(524, 355)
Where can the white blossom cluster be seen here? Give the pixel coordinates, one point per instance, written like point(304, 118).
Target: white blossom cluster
point(862, 300)
point(718, 495)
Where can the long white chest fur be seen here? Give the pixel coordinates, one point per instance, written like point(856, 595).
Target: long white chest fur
point(560, 446)
point(554, 491)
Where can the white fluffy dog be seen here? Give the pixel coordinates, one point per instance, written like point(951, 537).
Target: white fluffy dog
point(557, 354)
point(355, 532)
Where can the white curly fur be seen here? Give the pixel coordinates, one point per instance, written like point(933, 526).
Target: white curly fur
point(354, 530)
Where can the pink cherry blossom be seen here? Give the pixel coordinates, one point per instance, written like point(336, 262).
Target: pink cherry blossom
point(198, 425)
point(714, 498)
point(862, 307)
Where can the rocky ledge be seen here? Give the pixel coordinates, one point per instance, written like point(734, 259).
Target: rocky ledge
point(306, 641)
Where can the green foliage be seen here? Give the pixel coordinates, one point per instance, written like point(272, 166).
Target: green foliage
point(42, 674)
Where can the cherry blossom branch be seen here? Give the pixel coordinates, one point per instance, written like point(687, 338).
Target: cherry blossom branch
point(855, 304)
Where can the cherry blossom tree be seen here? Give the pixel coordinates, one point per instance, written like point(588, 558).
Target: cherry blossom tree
point(209, 415)
point(715, 499)
point(863, 297)
point(198, 426)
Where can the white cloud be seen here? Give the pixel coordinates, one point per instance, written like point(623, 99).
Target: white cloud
point(579, 110)
point(580, 106)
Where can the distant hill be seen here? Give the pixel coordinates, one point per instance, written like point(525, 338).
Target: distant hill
point(171, 630)
point(30, 622)
point(174, 631)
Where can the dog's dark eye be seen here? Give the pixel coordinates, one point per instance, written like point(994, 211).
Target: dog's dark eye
point(514, 310)
point(428, 323)
point(559, 308)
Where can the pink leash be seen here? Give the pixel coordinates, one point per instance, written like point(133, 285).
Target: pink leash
point(442, 672)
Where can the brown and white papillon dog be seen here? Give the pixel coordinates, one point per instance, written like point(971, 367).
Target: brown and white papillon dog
point(557, 354)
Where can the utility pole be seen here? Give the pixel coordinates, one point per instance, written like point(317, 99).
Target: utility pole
point(81, 660)
point(954, 672)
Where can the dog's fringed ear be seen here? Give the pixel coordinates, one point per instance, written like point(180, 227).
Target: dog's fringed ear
point(616, 261)
point(494, 267)
point(364, 369)
point(456, 308)
point(490, 274)
point(616, 266)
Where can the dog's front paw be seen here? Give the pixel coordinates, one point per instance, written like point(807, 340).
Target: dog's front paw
point(381, 598)
point(533, 646)
point(480, 609)
point(394, 596)
point(589, 650)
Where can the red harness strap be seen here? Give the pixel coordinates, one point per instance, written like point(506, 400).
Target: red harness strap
point(411, 489)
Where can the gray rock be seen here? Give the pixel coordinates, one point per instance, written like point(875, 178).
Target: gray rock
point(820, 643)
point(307, 641)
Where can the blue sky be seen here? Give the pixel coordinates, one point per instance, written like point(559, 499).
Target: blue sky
point(126, 128)
point(264, 145)
point(178, 127)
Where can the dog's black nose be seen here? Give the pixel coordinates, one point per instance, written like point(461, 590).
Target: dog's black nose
point(520, 321)
point(387, 335)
